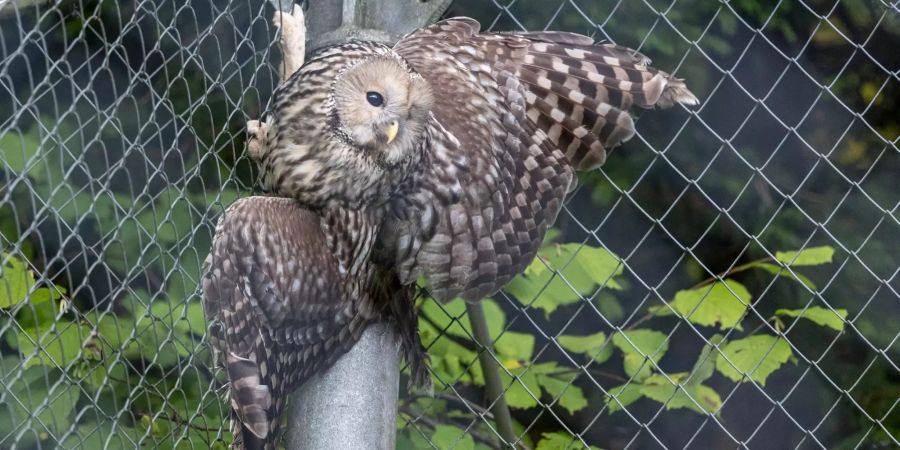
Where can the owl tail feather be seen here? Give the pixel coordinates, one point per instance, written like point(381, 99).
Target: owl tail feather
point(254, 413)
point(256, 397)
point(579, 93)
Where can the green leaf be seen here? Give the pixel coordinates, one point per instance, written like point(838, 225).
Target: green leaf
point(34, 315)
point(544, 291)
point(561, 441)
point(447, 317)
point(184, 276)
point(68, 202)
point(594, 346)
point(107, 434)
point(172, 315)
point(813, 256)
point(131, 248)
point(196, 318)
point(598, 263)
point(446, 437)
point(582, 344)
point(561, 387)
point(697, 397)
point(512, 345)
point(723, 302)
point(524, 391)
point(100, 374)
point(821, 316)
point(225, 197)
point(157, 341)
point(784, 272)
point(172, 219)
point(15, 281)
point(450, 361)
point(40, 400)
point(582, 268)
point(756, 356)
point(640, 347)
point(17, 149)
point(706, 362)
point(623, 395)
point(451, 316)
point(53, 346)
point(637, 366)
point(610, 307)
point(674, 394)
point(43, 294)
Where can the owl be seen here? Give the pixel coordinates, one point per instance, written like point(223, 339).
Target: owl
point(459, 145)
point(444, 157)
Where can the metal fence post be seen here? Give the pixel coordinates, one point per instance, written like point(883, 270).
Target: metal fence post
point(353, 404)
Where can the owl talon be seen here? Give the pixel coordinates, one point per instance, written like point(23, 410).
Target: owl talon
point(293, 39)
point(256, 142)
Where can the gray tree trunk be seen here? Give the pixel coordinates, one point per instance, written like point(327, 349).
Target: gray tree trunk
point(352, 405)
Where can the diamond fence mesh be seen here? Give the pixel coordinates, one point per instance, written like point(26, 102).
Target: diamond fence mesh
point(727, 280)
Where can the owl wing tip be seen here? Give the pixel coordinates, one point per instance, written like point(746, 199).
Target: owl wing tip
point(677, 92)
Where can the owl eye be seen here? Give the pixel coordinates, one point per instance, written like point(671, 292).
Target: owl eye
point(374, 98)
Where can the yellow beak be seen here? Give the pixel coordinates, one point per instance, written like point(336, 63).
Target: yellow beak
point(391, 131)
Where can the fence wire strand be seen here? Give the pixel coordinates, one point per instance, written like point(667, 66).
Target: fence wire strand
point(727, 280)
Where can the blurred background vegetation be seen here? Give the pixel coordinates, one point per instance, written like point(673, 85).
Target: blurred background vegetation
point(761, 222)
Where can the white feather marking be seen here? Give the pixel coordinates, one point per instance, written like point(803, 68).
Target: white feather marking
point(595, 77)
point(544, 82)
point(612, 61)
point(575, 53)
point(557, 115)
point(576, 97)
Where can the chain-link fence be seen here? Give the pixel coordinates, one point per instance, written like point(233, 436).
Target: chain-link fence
point(728, 280)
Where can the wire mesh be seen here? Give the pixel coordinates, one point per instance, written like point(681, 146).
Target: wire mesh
point(727, 280)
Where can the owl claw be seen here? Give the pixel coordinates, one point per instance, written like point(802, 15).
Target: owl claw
point(256, 142)
point(293, 39)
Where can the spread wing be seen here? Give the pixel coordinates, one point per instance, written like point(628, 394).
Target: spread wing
point(279, 305)
point(515, 115)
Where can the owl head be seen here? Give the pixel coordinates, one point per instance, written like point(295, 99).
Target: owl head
point(347, 128)
point(380, 108)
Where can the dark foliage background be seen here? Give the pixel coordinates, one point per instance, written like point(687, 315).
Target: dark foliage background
point(121, 139)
